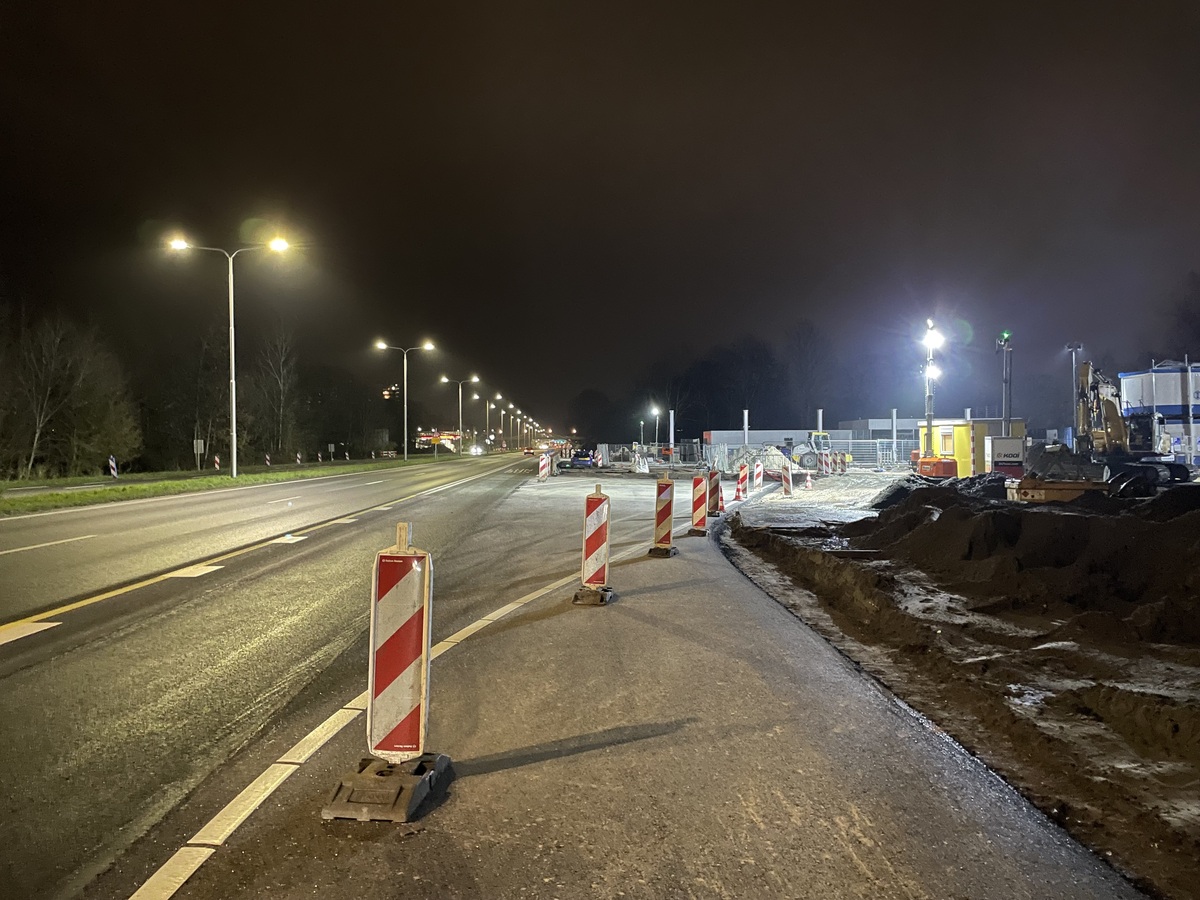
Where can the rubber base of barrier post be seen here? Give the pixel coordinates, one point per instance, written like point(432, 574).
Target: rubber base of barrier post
point(698, 532)
point(663, 552)
point(587, 596)
point(380, 791)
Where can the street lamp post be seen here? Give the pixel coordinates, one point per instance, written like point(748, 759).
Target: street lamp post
point(654, 412)
point(1074, 347)
point(278, 245)
point(384, 345)
point(932, 340)
point(641, 431)
point(473, 379)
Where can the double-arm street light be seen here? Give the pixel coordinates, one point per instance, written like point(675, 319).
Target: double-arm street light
point(278, 245)
point(932, 340)
point(384, 345)
point(472, 380)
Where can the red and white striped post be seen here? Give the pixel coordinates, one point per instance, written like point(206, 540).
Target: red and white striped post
point(268, 459)
point(297, 457)
point(714, 493)
point(392, 786)
point(826, 462)
point(664, 518)
point(398, 695)
point(758, 474)
point(594, 572)
point(741, 492)
point(699, 506)
point(543, 467)
point(785, 476)
point(841, 462)
point(217, 463)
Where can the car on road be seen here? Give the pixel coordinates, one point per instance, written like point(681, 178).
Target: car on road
point(528, 451)
point(475, 450)
point(580, 459)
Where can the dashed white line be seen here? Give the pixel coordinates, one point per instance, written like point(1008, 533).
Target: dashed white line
point(193, 571)
point(82, 537)
point(23, 629)
point(283, 499)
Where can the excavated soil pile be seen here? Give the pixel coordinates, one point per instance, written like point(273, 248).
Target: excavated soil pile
point(1060, 643)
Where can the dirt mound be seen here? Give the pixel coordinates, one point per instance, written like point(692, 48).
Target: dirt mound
point(1051, 555)
point(1169, 505)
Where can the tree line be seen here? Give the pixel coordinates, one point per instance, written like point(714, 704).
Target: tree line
point(67, 403)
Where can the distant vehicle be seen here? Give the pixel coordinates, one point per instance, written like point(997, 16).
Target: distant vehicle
point(476, 450)
point(528, 451)
point(580, 459)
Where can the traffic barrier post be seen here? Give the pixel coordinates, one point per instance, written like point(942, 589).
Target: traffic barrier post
point(785, 477)
point(595, 590)
point(699, 506)
point(391, 785)
point(714, 492)
point(543, 467)
point(664, 518)
point(758, 474)
point(217, 463)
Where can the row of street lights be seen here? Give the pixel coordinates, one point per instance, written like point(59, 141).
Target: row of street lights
point(279, 245)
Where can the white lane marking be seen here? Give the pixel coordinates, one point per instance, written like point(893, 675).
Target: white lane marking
point(346, 521)
point(369, 483)
point(380, 508)
point(315, 739)
point(223, 824)
point(290, 539)
point(10, 633)
point(283, 499)
point(174, 872)
point(193, 571)
point(82, 537)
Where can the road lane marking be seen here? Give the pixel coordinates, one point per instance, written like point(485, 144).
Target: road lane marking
point(16, 632)
point(82, 537)
point(315, 739)
point(194, 571)
point(345, 521)
point(224, 823)
point(283, 499)
point(293, 538)
point(170, 878)
point(248, 487)
point(369, 483)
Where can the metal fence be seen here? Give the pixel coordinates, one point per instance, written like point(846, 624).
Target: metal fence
point(874, 455)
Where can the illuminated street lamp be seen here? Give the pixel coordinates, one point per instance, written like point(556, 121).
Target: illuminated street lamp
point(654, 412)
point(473, 379)
point(384, 345)
point(277, 244)
point(932, 340)
point(1073, 348)
point(641, 431)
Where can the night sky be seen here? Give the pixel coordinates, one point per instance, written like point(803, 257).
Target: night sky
point(562, 194)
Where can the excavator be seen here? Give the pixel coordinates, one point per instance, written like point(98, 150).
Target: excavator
point(1123, 456)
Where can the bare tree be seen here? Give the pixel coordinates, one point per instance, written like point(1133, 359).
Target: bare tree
point(277, 365)
point(52, 364)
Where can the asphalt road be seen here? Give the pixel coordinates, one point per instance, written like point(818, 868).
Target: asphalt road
point(690, 740)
